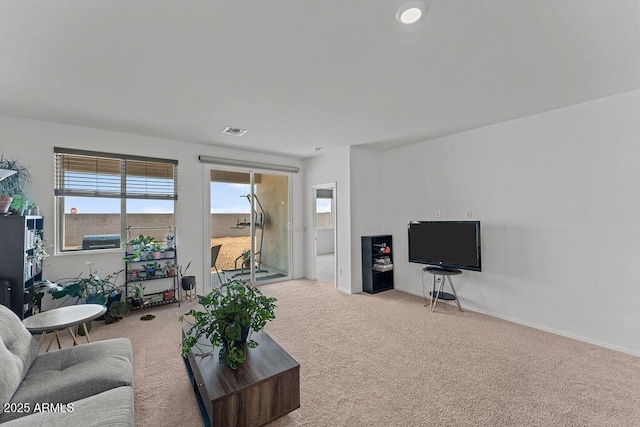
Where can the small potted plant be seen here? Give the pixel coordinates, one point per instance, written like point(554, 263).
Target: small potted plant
point(19, 204)
point(133, 273)
point(14, 184)
point(171, 269)
point(231, 313)
point(151, 268)
point(169, 253)
point(156, 250)
point(137, 297)
point(132, 257)
point(187, 282)
point(144, 245)
point(168, 295)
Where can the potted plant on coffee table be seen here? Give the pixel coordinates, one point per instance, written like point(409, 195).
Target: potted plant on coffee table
point(231, 313)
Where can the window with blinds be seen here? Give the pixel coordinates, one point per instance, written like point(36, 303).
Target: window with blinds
point(99, 195)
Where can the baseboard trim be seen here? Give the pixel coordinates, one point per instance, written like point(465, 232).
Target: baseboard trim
point(539, 327)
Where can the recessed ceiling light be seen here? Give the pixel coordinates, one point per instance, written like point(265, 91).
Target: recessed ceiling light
point(230, 130)
point(411, 12)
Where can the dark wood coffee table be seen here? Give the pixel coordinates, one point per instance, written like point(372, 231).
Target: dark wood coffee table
point(265, 387)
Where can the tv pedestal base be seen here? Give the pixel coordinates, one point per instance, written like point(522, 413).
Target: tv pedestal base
point(440, 294)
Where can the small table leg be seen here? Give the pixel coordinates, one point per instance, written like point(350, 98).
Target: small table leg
point(53, 337)
point(73, 336)
point(454, 292)
point(57, 338)
point(437, 296)
point(86, 332)
point(433, 293)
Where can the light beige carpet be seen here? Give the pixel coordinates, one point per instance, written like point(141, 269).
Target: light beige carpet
point(385, 360)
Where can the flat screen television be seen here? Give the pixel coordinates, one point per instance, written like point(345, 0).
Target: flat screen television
point(445, 244)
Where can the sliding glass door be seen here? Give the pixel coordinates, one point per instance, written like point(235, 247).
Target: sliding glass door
point(249, 223)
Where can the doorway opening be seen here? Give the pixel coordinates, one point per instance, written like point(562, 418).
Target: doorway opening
point(324, 232)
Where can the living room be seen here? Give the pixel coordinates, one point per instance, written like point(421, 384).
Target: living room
point(534, 134)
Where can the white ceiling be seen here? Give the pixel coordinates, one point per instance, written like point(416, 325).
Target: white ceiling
point(303, 74)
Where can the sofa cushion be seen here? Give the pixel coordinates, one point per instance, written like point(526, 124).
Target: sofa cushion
point(113, 408)
point(18, 349)
point(70, 374)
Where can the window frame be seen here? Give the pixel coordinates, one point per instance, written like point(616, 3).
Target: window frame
point(59, 195)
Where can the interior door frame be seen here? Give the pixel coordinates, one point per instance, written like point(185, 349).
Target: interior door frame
point(207, 168)
point(314, 239)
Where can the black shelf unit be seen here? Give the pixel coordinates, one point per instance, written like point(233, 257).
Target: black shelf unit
point(17, 262)
point(129, 278)
point(373, 248)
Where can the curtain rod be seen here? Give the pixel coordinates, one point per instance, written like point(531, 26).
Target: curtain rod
point(247, 164)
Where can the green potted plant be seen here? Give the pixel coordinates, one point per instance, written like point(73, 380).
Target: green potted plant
point(171, 268)
point(231, 314)
point(152, 269)
point(19, 204)
point(14, 184)
point(34, 293)
point(156, 249)
point(93, 289)
point(131, 257)
point(137, 297)
point(141, 245)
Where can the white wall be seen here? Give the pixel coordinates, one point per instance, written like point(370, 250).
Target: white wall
point(367, 216)
point(32, 142)
point(331, 166)
point(325, 242)
point(557, 194)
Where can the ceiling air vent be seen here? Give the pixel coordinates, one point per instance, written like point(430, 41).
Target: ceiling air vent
point(234, 131)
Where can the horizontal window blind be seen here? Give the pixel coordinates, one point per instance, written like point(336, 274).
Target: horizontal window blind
point(92, 174)
point(324, 194)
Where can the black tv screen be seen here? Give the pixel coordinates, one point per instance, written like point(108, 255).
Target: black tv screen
point(446, 244)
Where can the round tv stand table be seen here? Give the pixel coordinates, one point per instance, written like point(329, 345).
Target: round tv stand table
point(440, 294)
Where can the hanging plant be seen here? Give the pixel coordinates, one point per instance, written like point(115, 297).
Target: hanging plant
point(39, 251)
